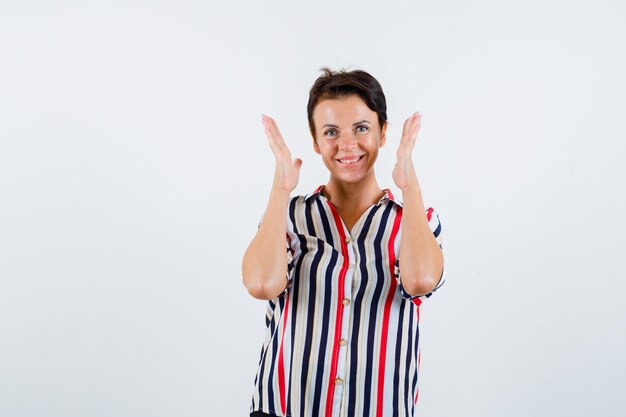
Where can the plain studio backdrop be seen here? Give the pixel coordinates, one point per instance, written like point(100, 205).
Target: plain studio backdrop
point(134, 170)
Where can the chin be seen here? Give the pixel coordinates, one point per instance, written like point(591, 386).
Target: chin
point(353, 178)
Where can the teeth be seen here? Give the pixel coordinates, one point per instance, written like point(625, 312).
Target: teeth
point(349, 161)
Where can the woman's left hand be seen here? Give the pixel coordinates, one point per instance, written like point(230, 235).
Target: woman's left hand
point(404, 172)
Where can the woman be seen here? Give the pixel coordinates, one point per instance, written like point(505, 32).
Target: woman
point(345, 285)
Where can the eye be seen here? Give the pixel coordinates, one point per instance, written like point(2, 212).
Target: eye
point(330, 133)
point(362, 129)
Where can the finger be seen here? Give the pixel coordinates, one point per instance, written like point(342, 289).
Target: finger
point(415, 126)
point(270, 125)
point(409, 135)
point(414, 123)
point(405, 128)
point(279, 136)
point(276, 141)
point(269, 132)
point(407, 131)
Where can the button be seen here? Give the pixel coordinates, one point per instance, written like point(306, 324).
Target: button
point(348, 240)
point(338, 381)
point(345, 301)
point(343, 342)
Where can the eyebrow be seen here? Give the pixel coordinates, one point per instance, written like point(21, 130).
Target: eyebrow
point(353, 124)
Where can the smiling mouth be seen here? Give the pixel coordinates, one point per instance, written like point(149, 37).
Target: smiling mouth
point(350, 161)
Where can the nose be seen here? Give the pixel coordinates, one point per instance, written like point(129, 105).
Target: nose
point(347, 141)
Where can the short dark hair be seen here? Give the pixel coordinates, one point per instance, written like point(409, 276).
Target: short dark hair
point(333, 84)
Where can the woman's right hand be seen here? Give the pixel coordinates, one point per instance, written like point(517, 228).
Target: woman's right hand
point(287, 170)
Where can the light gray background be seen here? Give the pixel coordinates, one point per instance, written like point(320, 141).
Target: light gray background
point(134, 171)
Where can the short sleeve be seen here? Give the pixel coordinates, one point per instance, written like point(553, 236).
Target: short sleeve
point(435, 226)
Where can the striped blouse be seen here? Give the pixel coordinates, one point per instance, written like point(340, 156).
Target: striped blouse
point(343, 338)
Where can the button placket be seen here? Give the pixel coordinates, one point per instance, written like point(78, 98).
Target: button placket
point(346, 301)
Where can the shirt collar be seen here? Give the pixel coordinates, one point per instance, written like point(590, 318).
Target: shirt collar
point(387, 196)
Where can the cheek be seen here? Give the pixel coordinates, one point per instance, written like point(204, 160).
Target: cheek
point(373, 142)
point(327, 148)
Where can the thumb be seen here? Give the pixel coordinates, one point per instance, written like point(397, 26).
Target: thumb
point(297, 163)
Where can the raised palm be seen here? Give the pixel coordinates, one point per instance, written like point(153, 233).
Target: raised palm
point(287, 170)
point(404, 172)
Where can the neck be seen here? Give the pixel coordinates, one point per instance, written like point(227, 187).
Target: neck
point(353, 195)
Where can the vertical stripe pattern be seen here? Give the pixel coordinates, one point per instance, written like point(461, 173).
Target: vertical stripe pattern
point(343, 338)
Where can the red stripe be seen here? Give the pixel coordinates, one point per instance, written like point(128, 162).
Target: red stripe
point(419, 360)
point(389, 193)
point(429, 213)
point(281, 362)
point(338, 323)
point(387, 311)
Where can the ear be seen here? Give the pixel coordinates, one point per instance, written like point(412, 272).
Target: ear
point(383, 135)
point(316, 147)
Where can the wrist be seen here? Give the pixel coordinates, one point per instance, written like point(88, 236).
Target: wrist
point(279, 192)
point(413, 187)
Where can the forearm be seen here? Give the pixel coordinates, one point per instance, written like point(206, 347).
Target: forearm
point(420, 257)
point(264, 265)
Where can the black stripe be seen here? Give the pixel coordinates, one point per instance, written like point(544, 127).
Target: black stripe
point(407, 395)
point(438, 229)
point(415, 349)
point(328, 283)
point(357, 301)
point(272, 328)
point(309, 219)
point(259, 374)
point(378, 290)
point(292, 214)
point(270, 377)
point(324, 336)
point(396, 372)
point(328, 234)
point(311, 298)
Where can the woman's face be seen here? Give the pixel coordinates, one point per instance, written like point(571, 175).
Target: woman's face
point(348, 136)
